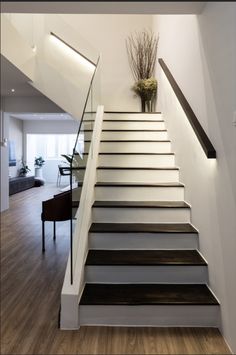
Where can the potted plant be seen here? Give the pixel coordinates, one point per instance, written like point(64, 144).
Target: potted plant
point(38, 164)
point(24, 169)
point(142, 52)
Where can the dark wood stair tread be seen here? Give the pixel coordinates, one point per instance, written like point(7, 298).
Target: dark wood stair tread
point(126, 130)
point(139, 184)
point(137, 141)
point(134, 130)
point(141, 204)
point(147, 294)
point(134, 112)
point(134, 168)
point(124, 120)
point(128, 153)
point(142, 228)
point(144, 257)
point(134, 153)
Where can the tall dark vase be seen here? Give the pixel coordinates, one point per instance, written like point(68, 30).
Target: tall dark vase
point(143, 105)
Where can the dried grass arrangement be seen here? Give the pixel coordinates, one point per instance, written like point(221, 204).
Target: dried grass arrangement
point(142, 53)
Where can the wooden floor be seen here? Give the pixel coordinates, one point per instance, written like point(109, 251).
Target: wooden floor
point(30, 294)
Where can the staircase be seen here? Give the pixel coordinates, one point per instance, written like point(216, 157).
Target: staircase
point(143, 266)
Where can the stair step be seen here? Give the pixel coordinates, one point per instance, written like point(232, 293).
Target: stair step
point(134, 153)
point(145, 211)
point(142, 228)
point(144, 257)
point(147, 294)
point(139, 141)
point(138, 184)
point(132, 125)
point(138, 174)
point(141, 204)
point(144, 236)
point(136, 168)
point(126, 130)
point(124, 120)
point(136, 116)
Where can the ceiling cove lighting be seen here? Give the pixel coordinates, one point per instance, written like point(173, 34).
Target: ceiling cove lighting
point(72, 52)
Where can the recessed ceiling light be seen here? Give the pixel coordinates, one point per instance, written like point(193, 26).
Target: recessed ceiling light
point(12, 90)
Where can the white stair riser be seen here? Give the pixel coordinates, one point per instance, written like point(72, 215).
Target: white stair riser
point(142, 161)
point(146, 274)
point(144, 241)
point(142, 315)
point(131, 135)
point(132, 116)
point(154, 176)
point(143, 215)
point(139, 193)
point(146, 161)
point(133, 147)
point(87, 125)
point(133, 125)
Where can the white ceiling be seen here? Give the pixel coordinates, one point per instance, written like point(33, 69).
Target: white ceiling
point(43, 116)
point(13, 78)
point(105, 7)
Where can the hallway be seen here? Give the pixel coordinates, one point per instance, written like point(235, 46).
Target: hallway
point(31, 287)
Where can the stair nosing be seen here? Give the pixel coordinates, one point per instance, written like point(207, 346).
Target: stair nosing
point(200, 262)
point(134, 184)
point(212, 300)
point(112, 228)
point(126, 130)
point(135, 168)
point(133, 153)
point(135, 141)
point(124, 120)
point(144, 204)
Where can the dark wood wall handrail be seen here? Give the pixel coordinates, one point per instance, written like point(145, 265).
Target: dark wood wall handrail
point(199, 131)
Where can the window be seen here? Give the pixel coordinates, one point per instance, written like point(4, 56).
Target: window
point(49, 146)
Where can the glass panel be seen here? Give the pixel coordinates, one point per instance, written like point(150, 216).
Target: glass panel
point(81, 150)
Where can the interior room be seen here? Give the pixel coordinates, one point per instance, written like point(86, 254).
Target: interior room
point(118, 169)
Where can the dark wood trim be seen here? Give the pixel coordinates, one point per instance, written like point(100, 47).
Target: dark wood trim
point(152, 121)
point(169, 228)
point(133, 112)
point(129, 153)
point(138, 184)
point(199, 131)
point(126, 130)
point(140, 204)
point(133, 168)
point(134, 141)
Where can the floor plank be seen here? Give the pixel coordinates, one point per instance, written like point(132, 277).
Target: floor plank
point(30, 295)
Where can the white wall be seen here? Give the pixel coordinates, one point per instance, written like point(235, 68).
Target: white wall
point(108, 33)
point(200, 52)
point(16, 135)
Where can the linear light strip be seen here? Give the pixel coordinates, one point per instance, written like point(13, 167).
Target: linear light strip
point(73, 49)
